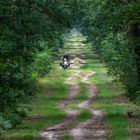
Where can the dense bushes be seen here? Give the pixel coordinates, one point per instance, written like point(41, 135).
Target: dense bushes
point(114, 29)
point(42, 63)
point(4, 125)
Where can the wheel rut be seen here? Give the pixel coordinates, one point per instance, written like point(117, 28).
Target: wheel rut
point(92, 129)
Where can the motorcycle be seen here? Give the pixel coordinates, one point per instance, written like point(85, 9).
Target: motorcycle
point(65, 64)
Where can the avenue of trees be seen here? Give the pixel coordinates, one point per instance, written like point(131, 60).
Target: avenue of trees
point(114, 29)
point(32, 33)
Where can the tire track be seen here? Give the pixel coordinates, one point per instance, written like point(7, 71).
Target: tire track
point(92, 129)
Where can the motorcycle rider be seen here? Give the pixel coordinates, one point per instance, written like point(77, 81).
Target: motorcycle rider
point(65, 56)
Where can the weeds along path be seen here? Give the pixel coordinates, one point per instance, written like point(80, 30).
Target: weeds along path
point(92, 128)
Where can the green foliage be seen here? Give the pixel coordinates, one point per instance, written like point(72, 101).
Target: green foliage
point(113, 28)
point(114, 50)
point(43, 60)
point(136, 96)
point(42, 63)
point(29, 30)
point(4, 124)
point(13, 118)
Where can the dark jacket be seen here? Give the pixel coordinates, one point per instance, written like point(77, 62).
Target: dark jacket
point(66, 56)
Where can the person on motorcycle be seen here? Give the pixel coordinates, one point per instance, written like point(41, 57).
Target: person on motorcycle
point(65, 56)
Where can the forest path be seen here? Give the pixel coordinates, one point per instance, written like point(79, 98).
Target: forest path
point(90, 128)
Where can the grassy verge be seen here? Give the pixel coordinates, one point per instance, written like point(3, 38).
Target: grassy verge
point(112, 101)
point(84, 115)
point(44, 111)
